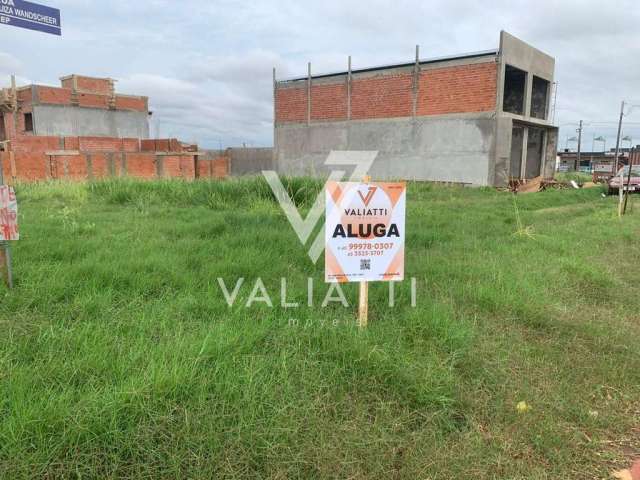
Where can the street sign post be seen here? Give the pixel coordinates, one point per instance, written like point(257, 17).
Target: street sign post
point(29, 15)
point(365, 235)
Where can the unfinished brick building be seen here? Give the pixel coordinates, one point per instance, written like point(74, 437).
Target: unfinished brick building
point(84, 130)
point(479, 119)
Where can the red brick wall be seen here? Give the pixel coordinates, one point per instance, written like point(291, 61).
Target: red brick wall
point(291, 104)
point(33, 163)
point(31, 166)
point(446, 90)
point(59, 96)
point(218, 167)
point(25, 96)
point(93, 100)
point(86, 98)
point(187, 167)
point(31, 144)
point(131, 144)
point(139, 104)
point(100, 164)
point(204, 168)
point(467, 88)
point(171, 167)
point(382, 97)
point(147, 145)
point(72, 167)
point(178, 166)
point(72, 143)
point(89, 84)
point(141, 165)
point(221, 167)
point(175, 145)
point(95, 85)
point(5, 165)
point(67, 83)
point(161, 145)
point(328, 102)
point(100, 144)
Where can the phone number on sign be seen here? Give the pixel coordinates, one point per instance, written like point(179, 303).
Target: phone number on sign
point(368, 249)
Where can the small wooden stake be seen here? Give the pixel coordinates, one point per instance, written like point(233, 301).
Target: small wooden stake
point(363, 309)
point(5, 264)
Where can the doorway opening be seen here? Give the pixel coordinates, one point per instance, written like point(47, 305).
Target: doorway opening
point(527, 152)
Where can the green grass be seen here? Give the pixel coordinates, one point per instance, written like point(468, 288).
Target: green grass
point(579, 177)
point(121, 359)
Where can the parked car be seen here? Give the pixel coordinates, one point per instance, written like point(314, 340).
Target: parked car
point(633, 184)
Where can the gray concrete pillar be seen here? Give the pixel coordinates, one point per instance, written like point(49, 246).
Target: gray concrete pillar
point(159, 166)
point(349, 86)
point(111, 164)
point(89, 162)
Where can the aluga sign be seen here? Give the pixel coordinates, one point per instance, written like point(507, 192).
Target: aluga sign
point(365, 232)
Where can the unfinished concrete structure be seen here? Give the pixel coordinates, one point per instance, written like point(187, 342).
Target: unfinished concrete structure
point(84, 130)
point(82, 106)
point(480, 119)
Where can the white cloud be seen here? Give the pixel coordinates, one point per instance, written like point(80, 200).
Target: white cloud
point(9, 65)
point(207, 65)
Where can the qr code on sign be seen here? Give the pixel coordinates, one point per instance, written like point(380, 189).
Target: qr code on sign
point(365, 265)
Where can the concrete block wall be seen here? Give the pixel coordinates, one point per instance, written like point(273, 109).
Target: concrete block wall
point(250, 161)
point(456, 148)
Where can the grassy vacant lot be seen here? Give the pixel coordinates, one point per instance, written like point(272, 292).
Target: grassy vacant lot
point(119, 357)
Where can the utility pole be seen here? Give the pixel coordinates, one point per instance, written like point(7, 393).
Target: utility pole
point(579, 147)
point(618, 139)
point(616, 162)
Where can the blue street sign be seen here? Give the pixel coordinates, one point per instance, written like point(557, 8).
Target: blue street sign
point(18, 13)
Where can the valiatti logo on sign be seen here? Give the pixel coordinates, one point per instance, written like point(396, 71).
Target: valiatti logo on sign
point(367, 199)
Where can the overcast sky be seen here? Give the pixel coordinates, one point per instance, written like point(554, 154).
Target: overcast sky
point(207, 65)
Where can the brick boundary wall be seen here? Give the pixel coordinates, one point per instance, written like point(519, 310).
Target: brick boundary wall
point(465, 88)
point(34, 159)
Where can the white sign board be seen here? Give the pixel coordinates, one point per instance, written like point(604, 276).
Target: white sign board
point(365, 232)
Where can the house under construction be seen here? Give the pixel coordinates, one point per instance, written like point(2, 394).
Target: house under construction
point(479, 118)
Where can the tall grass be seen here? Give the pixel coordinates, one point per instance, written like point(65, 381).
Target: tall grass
point(121, 358)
